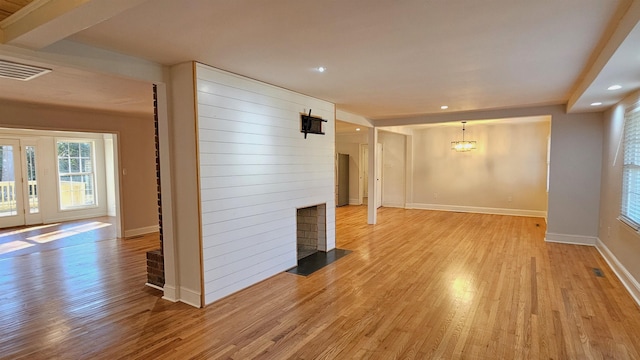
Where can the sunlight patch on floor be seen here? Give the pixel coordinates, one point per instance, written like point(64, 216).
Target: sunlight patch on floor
point(14, 246)
point(27, 229)
point(76, 230)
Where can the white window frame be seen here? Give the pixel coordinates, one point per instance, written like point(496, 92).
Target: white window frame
point(92, 173)
point(630, 194)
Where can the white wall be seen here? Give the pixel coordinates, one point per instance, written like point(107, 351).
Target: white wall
point(618, 243)
point(506, 174)
point(393, 168)
point(256, 168)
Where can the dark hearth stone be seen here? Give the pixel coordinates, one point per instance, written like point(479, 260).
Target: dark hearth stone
point(314, 262)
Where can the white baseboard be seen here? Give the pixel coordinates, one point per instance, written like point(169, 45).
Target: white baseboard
point(154, 286)
point(69, 217)
point(480, 210)
point(140, 231)
point(190, 297)
point(170, 293)
point(354, 201)
point(629, 282)
point(571, 239)
point(393, 205)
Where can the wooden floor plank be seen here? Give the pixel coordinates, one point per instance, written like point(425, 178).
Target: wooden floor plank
point(418, 285)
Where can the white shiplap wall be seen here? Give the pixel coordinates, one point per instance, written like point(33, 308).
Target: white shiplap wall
point(256, 169)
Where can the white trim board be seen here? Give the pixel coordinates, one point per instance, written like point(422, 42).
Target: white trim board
point(154, 286)
point(170, 293)
point(140, 231)
point(629, 282)
point(190, 297)
point(74, 218)
point(480, 210)
point(393, 205)
point(570, 239)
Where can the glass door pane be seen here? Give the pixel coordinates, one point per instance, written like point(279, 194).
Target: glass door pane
point(8, 203)
point(32, 180)
point(11, 191)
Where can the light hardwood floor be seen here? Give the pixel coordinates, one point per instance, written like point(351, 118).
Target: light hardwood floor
point(38, 238)
point(419, 285)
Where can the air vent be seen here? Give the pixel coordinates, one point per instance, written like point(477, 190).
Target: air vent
point(24, 72)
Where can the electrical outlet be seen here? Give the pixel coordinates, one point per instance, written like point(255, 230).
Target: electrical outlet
point(435, 195)
point(510, 198)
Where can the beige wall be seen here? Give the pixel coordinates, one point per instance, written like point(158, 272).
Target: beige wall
point(136, 142)
point(575, 168)
point(507, 171)
point(621, 242)
point(574, 178)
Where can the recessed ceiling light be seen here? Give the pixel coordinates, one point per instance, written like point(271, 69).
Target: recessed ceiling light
point(614, 87)
point(596, 104)
point(357, 129)
point(322, 69)
point(444, 107)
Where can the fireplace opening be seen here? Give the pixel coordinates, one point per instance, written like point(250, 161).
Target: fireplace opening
point(311, 230)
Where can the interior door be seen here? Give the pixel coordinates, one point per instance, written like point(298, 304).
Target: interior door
point(378, 175)
point(11, 193)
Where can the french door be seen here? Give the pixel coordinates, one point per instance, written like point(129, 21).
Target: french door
point(19, 201)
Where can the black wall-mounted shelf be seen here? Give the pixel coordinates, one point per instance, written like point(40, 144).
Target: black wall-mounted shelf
point(311, 124)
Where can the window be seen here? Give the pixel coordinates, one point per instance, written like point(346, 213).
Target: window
point(631, 168)
point(76, 174)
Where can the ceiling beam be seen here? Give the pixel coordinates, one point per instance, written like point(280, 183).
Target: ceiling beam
point(624, 27)
point(79, 56)
point(352, 118)
point(508, 113)
point(44, 22)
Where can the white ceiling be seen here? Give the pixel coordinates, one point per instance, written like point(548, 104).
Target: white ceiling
point(343, 127)
point(383, 58)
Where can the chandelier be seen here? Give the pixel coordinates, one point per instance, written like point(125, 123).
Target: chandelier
point(464, 145)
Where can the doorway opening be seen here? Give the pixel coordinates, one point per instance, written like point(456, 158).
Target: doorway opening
point(56, 176)
point(363, 186)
